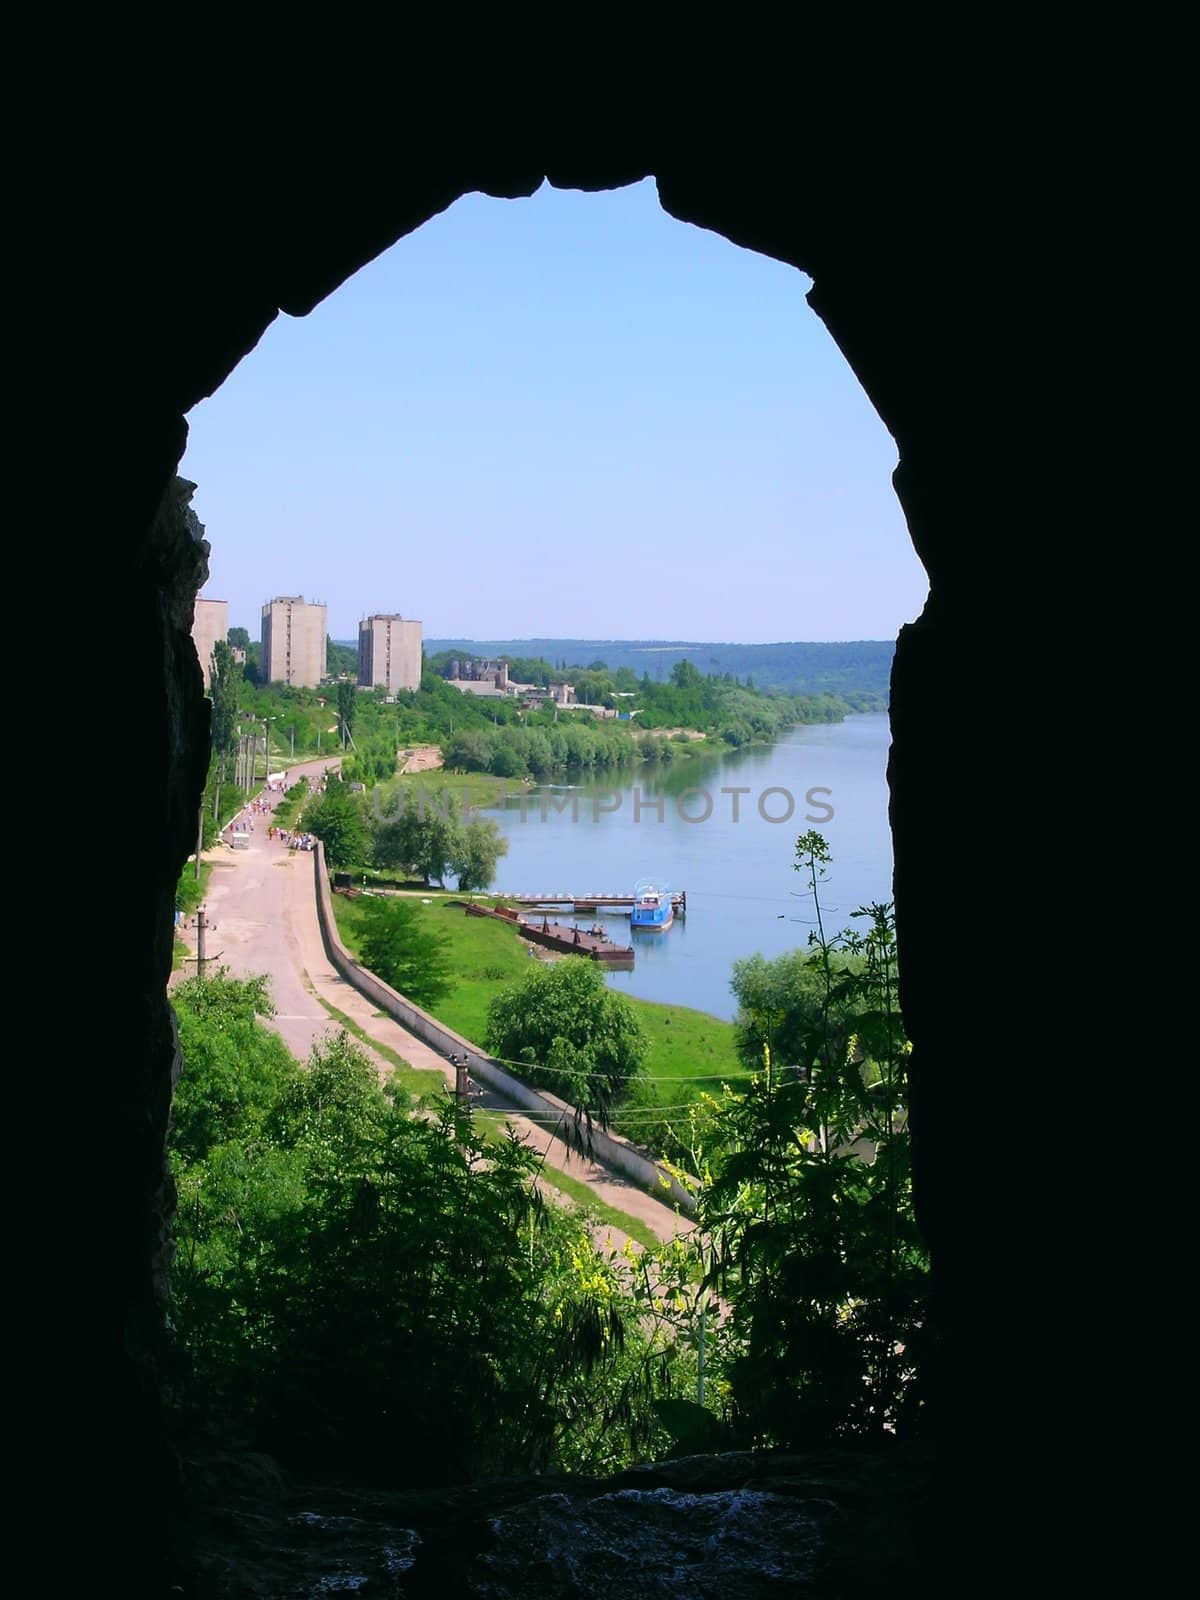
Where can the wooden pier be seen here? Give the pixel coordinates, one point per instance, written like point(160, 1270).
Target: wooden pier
point(594, 902)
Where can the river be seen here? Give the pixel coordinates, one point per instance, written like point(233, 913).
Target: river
point(676, 826)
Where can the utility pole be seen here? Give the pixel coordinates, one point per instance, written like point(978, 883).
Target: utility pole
point(201, 927)
point(462, 1091)
point(199, 836)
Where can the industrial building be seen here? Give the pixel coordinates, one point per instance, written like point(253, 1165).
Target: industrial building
point(294, 641)
point(210, 622)
point(389, 652)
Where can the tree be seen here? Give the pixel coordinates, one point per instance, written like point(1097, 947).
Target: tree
point(424, 838)
point(436, 840)
point(479, 846)
point(470, 751)
point(340, 658)
point(239, 639)
point(338, 819)
point(224, 680)
point(233, 1067)
point(686, 675)
point(411, 958)
point(347, 704)
point(573, 1033)
point(507, 758)
point(781, 1003)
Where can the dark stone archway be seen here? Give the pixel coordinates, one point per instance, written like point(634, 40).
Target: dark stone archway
point(910, 279)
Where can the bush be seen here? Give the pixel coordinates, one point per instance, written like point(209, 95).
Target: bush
point(574, 1035)
point(340, 822)
point(364, 1291)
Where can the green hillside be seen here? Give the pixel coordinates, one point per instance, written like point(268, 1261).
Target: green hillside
point(858, 670)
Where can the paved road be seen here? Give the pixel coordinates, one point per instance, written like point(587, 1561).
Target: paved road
point(262, 907)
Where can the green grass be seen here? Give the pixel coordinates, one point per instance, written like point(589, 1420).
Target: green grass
point(687, 1045)
point(469, 788)
point(487, 958)
point(600, 1210)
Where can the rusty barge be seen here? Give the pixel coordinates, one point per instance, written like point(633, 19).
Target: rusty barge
point(560, 936)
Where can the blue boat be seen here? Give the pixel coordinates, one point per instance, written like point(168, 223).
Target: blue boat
point(653, 907)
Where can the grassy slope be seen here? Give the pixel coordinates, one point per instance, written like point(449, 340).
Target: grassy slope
point(469, 788)
point(488, 957)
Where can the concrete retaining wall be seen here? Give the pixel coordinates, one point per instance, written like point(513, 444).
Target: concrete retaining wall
point(608, 1148)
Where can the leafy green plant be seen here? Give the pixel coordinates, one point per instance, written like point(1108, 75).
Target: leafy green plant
point(574, 1035)
point(357, 1289)
point(338, 818)
point(809, 1218)
point(404, 951)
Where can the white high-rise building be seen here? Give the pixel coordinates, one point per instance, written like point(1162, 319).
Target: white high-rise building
point(389, 652)
point(294, 635)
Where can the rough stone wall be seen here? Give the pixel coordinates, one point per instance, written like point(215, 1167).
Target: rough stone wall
point(912, 282)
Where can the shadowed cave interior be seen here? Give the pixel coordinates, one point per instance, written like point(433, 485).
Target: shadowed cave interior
point(917, 299)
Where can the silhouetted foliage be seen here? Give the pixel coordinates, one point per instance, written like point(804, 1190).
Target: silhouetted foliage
point(809, 1215)
point(361, 1290)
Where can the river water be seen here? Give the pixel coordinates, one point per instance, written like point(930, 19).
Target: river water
point(677, 827)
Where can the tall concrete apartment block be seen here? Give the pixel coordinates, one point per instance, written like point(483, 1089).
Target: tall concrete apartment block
point(389, 653)
point(210, 622)
point(293, 641)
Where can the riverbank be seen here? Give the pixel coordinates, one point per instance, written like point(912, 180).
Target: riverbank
point(687, 1050)
point(724, 831)
point(485, 790)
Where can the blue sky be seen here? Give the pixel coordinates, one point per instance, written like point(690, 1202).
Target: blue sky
point(567, 416)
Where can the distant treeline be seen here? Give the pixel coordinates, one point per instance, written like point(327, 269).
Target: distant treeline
point(858, 670)
point(501, 736)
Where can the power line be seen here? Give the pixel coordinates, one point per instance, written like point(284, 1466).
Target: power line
point(637, 1113)
point(617, 1077)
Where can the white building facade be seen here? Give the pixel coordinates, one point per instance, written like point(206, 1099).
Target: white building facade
point(389, 652)
point(294, 634)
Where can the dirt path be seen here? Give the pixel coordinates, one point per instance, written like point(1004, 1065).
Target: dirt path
point(262, 909)
point(425, 758)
